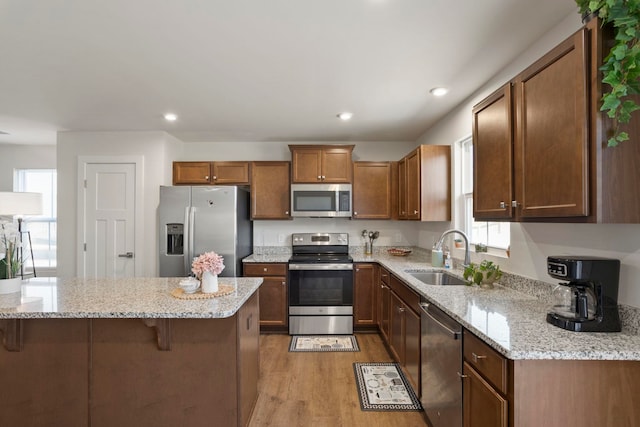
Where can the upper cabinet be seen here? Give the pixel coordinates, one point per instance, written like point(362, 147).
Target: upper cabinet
point(540, 143)
point(372, 190)
point(270, 196)
point(424, 184)
point(208, 173)
point(321, 163)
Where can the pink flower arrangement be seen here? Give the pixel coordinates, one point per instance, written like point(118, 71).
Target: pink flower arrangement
point(208, 261)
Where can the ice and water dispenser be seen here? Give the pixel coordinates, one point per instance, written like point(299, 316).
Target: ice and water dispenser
point(175, 239)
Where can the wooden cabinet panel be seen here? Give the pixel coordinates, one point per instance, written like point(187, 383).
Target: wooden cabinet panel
point(248, 357)
point(493, 156)
point(486, 360)
point(396, 327)
point(321, 163)
point(371, 190)
point(424, 184)
point(482, 405)
point(270, 195)
point(551, 154)
point(364, 295)
point(230, 173)
point(191, 173)
point(384, 304)
point(273, 293)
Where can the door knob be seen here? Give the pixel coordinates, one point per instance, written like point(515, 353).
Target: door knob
point(127, 255)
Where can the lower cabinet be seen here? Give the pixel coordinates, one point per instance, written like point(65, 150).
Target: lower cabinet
point(273, 293)
point(404, 330)
point(482, 404)
point(364, 295)
point(384, 303)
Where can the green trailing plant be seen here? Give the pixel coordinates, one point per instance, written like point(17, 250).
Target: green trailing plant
point(621, 67)
point(486, 271)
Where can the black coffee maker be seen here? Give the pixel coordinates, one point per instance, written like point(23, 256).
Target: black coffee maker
point(588, 302)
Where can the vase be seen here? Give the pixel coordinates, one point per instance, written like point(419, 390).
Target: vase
point(9, 286)
point(209, 283)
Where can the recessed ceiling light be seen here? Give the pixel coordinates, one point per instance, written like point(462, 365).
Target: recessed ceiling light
point(439, 91)
point(345, 116)
point(170, 117)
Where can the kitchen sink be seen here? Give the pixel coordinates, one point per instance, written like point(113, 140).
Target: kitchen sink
point(437, 277)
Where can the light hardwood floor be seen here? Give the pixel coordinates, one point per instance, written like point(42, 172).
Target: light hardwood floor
point(319, 389)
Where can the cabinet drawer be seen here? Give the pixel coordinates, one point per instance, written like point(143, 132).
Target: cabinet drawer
point(384, 276)
point(410, 298)
point(488, 362)
point(254, 269)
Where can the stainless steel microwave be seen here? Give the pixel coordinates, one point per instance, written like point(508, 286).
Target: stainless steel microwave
point(321, 200)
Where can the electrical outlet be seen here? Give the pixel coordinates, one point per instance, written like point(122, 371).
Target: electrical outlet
point(281, 238)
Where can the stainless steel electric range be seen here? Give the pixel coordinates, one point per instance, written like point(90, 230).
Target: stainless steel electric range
point(320, 284)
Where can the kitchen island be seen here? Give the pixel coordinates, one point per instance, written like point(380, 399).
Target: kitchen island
point(105, 352)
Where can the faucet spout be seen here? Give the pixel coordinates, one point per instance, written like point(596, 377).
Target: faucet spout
point(440, 242)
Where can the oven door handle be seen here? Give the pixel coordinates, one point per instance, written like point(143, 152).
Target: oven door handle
point(321, 267)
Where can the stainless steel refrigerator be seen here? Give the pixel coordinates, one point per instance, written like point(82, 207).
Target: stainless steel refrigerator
point(194, 220)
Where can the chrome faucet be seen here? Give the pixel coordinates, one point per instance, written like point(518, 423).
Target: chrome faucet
point(438, 245)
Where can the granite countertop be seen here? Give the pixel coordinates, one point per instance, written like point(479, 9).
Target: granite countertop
point(512, 322)
point(120, 298)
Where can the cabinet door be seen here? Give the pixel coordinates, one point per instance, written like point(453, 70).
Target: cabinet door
point(384, 306)
point(270, 195)
point(371, 190)
point(402, 189)
point(434, 191)
point(230, 173)
point(307, 165)
point(482, 405)
point(396, 327)
point(492, 156)
point(413, 185)
point(365, 295)
point(273, 301)
point(551, 150)
point(248, 358)
point(336, 165)
point(191, 173)
point(412, 348)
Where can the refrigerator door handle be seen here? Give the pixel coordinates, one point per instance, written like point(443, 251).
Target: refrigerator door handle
point(192, 237)
point(187, 240)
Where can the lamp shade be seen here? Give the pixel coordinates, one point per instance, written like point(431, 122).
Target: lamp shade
point(13, 203)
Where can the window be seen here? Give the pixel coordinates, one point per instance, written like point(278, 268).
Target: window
point(42, 228)
point(493, 234)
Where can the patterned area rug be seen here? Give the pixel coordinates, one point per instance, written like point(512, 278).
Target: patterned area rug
point(324, 343)
point(383, 387)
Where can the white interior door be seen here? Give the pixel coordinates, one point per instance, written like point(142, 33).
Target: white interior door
point(109, 220)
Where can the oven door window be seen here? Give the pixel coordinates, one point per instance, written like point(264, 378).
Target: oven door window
point(320, 288)
point(314, 201)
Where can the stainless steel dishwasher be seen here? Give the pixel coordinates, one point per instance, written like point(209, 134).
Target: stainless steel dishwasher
point(441, 367)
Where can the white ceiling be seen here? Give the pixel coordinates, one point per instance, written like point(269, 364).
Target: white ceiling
point(253, 70)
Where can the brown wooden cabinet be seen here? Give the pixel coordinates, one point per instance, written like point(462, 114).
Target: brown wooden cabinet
point(372, 190)
point(270, 195)
point(211, 173)
point(364, 295)
point(321, 163)
point(404, 330)
point(384, 303)
point(540, 144)
point(424, 184)
point(273, 293)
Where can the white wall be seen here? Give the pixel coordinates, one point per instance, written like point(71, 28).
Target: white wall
point(24, 157)
point(157, 150)
point(532, 243)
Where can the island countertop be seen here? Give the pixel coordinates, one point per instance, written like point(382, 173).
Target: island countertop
point(138, 297)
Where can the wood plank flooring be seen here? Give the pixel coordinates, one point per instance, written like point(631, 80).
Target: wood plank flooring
point(319, 389)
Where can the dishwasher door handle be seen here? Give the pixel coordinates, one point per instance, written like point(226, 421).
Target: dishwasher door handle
point(425, 309)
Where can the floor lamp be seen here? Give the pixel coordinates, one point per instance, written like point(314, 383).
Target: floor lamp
point(19, 204)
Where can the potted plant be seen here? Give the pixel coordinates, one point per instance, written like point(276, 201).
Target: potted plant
point(11, 262)
point(620, 68)
point(484, 274)
point(206, 267)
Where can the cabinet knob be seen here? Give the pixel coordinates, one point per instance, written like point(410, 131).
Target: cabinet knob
point(503, 205)
point(477, 357)
point(462, 376)
point(355, 213)
point(206, 177)
point(319, 177)
point(286, 212)
point(400, 309)
point(264, 269)
point(215, 177)
point(415, 212)
point(514, 203)
point(284, 283)
point(323, 177)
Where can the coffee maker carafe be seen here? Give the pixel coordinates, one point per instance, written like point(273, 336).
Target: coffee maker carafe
point(588, 300)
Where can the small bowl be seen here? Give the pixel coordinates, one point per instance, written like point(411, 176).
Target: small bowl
point(189, 285)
